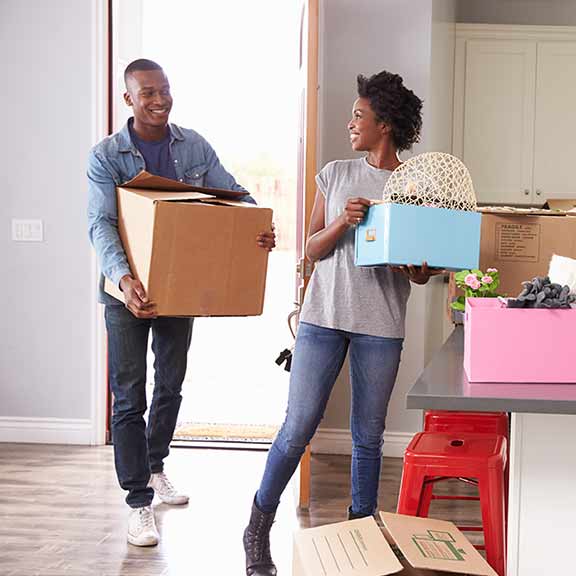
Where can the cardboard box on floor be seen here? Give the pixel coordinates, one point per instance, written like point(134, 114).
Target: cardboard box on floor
point(424, 547)
point(194, 249)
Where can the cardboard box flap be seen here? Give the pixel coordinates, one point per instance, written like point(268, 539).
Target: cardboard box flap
point(146, 181)
point(353, 548)
point(563, 204)
point(512, 211)
point(226, 202)
point(155, 195)
point(435, 545)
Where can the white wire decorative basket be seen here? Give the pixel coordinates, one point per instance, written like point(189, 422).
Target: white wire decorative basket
point(432, 179)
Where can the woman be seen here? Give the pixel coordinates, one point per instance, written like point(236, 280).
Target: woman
point(346, 309)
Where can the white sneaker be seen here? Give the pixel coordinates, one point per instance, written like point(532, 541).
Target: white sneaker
point(166, 492)
point(142, 527)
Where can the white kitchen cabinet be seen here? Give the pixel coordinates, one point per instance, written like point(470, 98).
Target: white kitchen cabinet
point(515, 111)
point(555, 121)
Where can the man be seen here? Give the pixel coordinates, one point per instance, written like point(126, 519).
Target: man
point(148, 142)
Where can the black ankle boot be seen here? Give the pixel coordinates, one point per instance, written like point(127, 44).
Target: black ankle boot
point(354, 516)
point(257, 543)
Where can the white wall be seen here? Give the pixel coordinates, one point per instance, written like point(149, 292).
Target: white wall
point(530, 12)
point(438, 120)
point(50, 97)
point(416, 40)
point(365, 37)
point(48, 102)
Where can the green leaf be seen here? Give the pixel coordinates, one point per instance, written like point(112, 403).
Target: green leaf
point(459, 303)
point(460, 276)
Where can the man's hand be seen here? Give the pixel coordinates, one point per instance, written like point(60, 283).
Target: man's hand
point(418, 274)
point(136, 299)
point(267, 240)
point(355, 210)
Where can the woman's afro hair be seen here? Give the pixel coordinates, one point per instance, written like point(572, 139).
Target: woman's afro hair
point(395, 105)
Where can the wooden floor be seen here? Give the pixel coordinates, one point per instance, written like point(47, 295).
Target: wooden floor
point(62, 513)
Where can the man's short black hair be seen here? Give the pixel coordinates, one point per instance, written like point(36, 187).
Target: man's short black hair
point(140, 65)
point(395, 105)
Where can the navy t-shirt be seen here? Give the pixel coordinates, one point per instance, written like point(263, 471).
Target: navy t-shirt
point(156, 154)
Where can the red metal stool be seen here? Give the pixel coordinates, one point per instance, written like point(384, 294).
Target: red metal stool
point(476, 422)
point(480, 458)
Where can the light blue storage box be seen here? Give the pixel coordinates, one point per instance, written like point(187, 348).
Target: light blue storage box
point(405, 234)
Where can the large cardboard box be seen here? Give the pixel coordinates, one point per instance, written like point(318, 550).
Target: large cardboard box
point(497, 349)
point(403, 234)
point(520, 243)
point(410, 546)
point(193, 249)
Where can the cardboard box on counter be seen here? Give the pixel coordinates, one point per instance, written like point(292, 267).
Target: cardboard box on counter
point(400, 234)
point(422, 547)
point(520, 243)
point(194, 249)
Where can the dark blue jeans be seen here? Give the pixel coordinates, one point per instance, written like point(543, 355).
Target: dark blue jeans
point(318, 357)
point(139, 449)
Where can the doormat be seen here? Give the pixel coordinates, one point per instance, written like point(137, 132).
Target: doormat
point(225, 432)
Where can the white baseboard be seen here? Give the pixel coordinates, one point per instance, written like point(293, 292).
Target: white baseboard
point(46, 430)
point(339, 441)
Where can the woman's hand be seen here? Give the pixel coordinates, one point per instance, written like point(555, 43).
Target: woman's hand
point(355, 210)
point(418, 274)
point(321, 238)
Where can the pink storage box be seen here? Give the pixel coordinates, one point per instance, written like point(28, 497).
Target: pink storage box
point(518, 345)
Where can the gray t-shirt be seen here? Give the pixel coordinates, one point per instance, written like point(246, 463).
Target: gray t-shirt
point(342, 295)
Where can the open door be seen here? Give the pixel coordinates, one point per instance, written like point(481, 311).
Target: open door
point(307, 168)
point(121, 51)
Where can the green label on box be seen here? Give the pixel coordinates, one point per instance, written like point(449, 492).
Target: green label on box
point(438, 546)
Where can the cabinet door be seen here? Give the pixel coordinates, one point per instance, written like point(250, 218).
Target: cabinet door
point(498, 119)
point(555, 133)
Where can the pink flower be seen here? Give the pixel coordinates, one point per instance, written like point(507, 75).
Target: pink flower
point(492, 270)
point(472, 281)
point(487, 279)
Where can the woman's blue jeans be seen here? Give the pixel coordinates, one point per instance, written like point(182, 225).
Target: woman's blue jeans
point(318, 357)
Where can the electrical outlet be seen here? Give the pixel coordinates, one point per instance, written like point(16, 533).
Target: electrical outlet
point(27, 230)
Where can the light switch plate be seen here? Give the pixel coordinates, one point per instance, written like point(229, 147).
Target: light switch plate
point(27, 230)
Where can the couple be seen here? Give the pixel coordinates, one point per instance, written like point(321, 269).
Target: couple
point(346, 309)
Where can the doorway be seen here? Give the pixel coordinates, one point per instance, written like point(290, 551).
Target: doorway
point(233, 69)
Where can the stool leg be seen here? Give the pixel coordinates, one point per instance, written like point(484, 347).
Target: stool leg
point(411, 490)
point(426, 499)
point(492, 504)
point(506, 492)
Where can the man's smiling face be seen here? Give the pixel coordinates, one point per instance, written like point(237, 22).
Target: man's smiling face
point(148, 93)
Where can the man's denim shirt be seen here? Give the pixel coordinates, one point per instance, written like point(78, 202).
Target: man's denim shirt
point(116, 160)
